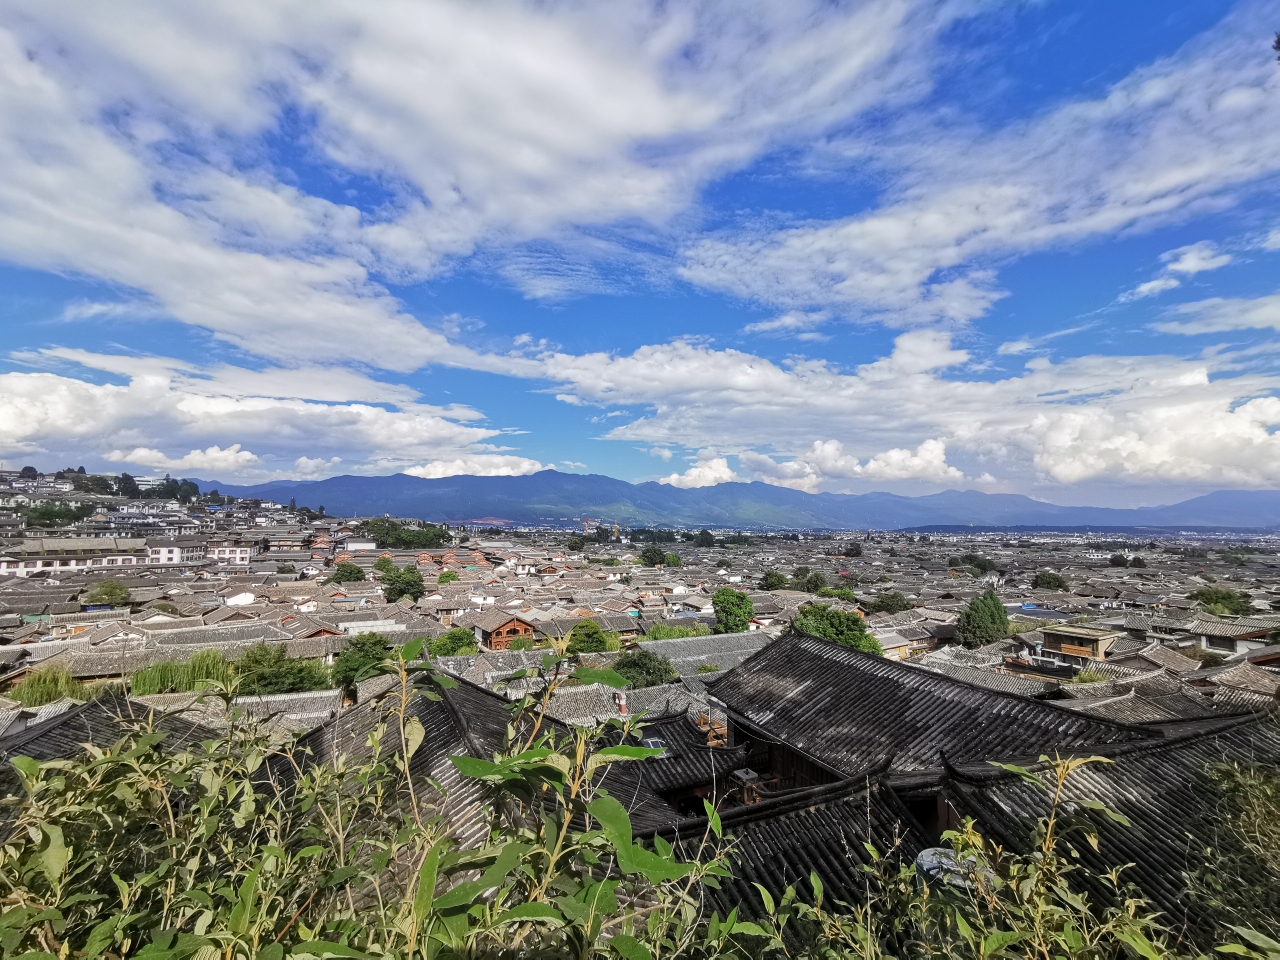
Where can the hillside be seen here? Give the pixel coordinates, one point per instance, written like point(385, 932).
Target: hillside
point(550, 496)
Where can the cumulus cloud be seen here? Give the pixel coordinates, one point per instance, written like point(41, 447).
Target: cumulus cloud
point(828, 460)
point(167, 405)
point(214, 459)
point(707, 472)
point(795, 323)
point(480, 465)
point(1143, 419)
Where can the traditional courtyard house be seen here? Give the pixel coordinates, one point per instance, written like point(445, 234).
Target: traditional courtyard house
point(497, 628)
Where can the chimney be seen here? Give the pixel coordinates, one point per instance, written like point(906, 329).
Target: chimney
point(620, 698)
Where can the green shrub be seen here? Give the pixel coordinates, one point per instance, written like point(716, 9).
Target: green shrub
point(171, 676)
point(644, 668)
point(838, 626)
point(661, 631)
point(47, 685)
point(452, 643)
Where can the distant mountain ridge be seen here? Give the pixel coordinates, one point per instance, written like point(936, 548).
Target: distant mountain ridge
point(550, 497)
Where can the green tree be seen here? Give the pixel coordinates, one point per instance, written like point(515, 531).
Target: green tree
point(853, 550)
point(126, 486)
point(265, 670)
point(838, 626)
point(111, 593)
point(652, 555)
point(1048, 580)
point(644, 668)
point(1221, 601)
point(389, 535)
point(838, 593)
point(734, 611)
point(976, 560)
point(364, 653)
point(448, 576)
point(672, 560)
point(1118, 560)
point(587, 637)
point(814, 582)
point(346, 572)
point(891, 601)
point(450, 644)
point(385, 565)
point(773, 580)
point(983, 621)
point(403, 583)
point(705, 538)
point(576, 543)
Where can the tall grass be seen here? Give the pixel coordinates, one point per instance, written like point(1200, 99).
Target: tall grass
point(46, 686)
point(172, 676)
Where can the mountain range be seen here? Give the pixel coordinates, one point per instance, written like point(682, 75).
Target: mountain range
point(551, 497)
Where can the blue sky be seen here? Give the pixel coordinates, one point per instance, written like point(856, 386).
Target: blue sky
point(897, 245)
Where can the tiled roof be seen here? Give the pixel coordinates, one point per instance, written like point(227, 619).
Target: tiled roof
point(850, 710)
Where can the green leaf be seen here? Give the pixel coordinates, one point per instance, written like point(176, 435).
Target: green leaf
point(54, 855)
point(426, 884)
point(479, 769)
point(713, 818)
point(1136, 941)
point(322, 948)
point(101, 936)
point(1258, 939)
point(411, 650)
point(751, 929)
point(272, 951)
point(630, 948)
point(1119, 818)
point(29, 769)
point(609, 678)
point(767, 899)
point(1001, 939)
point(459, 896)
point(614, 754)
point(413, 736)
point(1022, 772)
point(529, 911)
point(611, 816)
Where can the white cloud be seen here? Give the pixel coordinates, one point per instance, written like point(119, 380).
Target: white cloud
point(232, 460)
point(1013, 348)
point(828, 460)
point(1195, 258)
point(663, 453)
point(1220, 315)
point(1272, 242)
point(167, 405)
point(1186, 133)
point(479, 465)
point(1139, 419)
point(1150, 289)
point(706, 472)
point(790, 323)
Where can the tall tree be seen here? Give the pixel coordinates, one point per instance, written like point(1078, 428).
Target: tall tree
point(838, 626)
point(983, 621)
point(734, 611)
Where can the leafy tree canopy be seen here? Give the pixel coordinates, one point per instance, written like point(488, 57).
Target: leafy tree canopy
point(1048, 580)
point(891, 601)
point(773, 580)
point(645, 669)
point(672, 560)
point(838, 593)
point(363, 654)
point(734, 611)
point(448, 576)
point(111, 593)
point(983, 621)
point(838, 626)
point(450, 644)
point(265, 669)
point(388, 534)
point(661, 631)
point(705, 538)
point(587, 637)
point(346, 573)
point(853, 550)
point(384, 565)
point(1220, 601)
point(653, 556)
point(403, 583)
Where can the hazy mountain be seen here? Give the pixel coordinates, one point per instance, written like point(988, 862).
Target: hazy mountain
point(551, 496)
